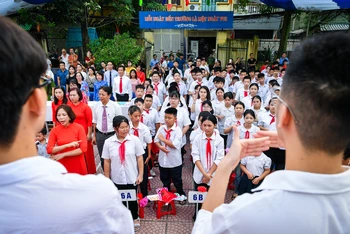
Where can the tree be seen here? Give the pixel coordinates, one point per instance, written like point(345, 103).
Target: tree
point(119, 50)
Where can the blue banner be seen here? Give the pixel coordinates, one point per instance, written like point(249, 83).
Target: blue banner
point(186, 20)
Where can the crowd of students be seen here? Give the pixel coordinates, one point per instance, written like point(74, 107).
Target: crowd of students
point(162, 110)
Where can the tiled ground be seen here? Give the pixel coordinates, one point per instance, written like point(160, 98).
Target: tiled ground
point(182, 222)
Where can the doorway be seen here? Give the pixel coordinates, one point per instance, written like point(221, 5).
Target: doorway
point(201, 46)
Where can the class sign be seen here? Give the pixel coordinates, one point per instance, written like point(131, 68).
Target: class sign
point(196, 197)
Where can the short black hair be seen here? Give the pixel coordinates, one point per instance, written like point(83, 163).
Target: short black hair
point(249, 112)
point(140, 86)
point(118, 120)
point(148, 96)
point(247, 78)
point(330, 84)
point(261, 75)
point(155, 73)
point(228, 95)
point(121, 66)
point(55, 99)
point(132, 109)
point(207, 102)
point(107, 89)
point(235, 78)
point(43, 131)
point(171, 111)
point(69, 112)
point(62, 63)
point(218, 79)
point(210, 118)
point(239, 103)
point(139, 100)
point(217, 69)
point(19, 75)
point(254, 84)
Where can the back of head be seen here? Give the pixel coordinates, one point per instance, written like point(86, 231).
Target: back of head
point(318, 94)
point(22, 62)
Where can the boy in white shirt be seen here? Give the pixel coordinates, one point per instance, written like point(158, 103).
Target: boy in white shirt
point(169, 140)
point(159, 87)
point(243, 92)
point(41, 143)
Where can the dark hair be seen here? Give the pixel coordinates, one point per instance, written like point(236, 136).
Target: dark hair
point(347, 152)
point(228, 95)
point(197, 86)
point(148, 96)
point(171, 111)
point(132, 109)
point(217, 69)
point(203, 114)
point(43, 131)
point(93, 69)
point(174, 89)
point(175, 94)
point(107, 89)
point(218, 79)
point(133, 70)
point(118, 120)
point(219, 89)
point(210, 118)
point(140, 86)
point(206, 89)
point(254, 84)
point(80, 94)
point(149, 80)
point(330, 84)
point(257, 97)
point(82, 77)
point(273, 82)
point(207, 102)
point(176, 72)
point(155, 73)
point(19, 75)
point(69, 111)
point(249, 112)
point(71, 66)
point(139, 100)
point(149, 86)
point(247, 78)
point(63, 63)
point(121, 66)
point(99, 73)
point(235, 78)
point(239, 103)
point(55, 99)
point(261, 75)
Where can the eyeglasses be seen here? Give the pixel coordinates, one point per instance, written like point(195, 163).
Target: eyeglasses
point(288, 107)
point(42, 83)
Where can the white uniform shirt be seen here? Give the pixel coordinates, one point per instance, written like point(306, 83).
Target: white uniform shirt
point(127, 173)
point(248, 102)
point(263, 91)
point(198, 106)
point(243, 131)
point(38, 196)
point(194, 83)
point(256, 165)
point(126, 84)
point(112, 109)
point(166, 102)
point(217, 105)
point(237, 86)
point(226, 112)
point(265, 120)
point(173, 158)
point(230, 121)
point(151, 119)
point(240, 94)
point(161, 91)
point(199, 153)
point(65, 60)
point(213, 93)
point(297, 202)
point(144, 134)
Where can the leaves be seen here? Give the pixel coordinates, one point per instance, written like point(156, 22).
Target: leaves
point(119, 50)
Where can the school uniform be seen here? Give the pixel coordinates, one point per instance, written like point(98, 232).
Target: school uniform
point(144, 135)
point(198, 106)
point(213, 93)
point(103, 116)
point(122, 89)
point(160, 91)
point(151, 118)
point(256, 166)
point(230, 121)
point(170, 164)
point(226, 112)
point(217, 104)
point(258, 114)
point(263, 91)
point(42, 149)
point(124, 171)
point(166, 102)
point(237, 86)
point(195, 83)
point(241, 93)
point(248, 102)
point(266, 119)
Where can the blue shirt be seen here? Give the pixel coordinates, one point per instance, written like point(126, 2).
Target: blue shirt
point(109, 75)
point(153, 62)
point(63, 77)
point(97, 86)
point(283, 59)
point(170, 64)
point(181, 63)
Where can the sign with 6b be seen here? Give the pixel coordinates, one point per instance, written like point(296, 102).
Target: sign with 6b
point(128, 195)
point(196, 197)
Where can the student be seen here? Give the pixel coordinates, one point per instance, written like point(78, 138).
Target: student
point(207, 152)
point(140, 92)
point(41, 143)
point(263, 88)
point(180, 83)
point(140, 130)
point(156, 104)
point(262, 163)
point(123, 161)
point(258, 109)
point(139, 103)
point(248, 100)
point(98, 84)
point(169, 140)
point(224, 112)
point(243, 92)
point(219, 101)
point(203, 95)
point(206, 106)
point(234, 120)
point(37, 194)
point(199, 81)
point(174, 88)
point(199, 130)
point(218, 83)
point(159, 87)
point(239, 84)
point(217, 73)
point(122, 89)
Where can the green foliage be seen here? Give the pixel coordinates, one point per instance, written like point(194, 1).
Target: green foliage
point(119, 50)
point(154, 6)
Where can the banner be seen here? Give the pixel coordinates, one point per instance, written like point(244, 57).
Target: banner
point(219, 20)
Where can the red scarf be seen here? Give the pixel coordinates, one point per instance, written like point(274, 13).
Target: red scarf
point(238, 123)
point(245, 93)
point(122, 152)
point(247, 135)
point(273, 119)
point(167, 136)
point(141, 118)
point(208, 153)
point(147, 111)
point(136, 132)
point(156, 88)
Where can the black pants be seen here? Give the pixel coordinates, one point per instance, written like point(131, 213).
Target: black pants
point(122, 98)
point(100, 141)
point(246, 185)
point(173, 174)
point(225, 140)
point(278, 158)
point(144, 183)
point(132, 204)
point(199, 204)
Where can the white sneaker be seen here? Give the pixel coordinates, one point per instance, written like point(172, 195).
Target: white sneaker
point(152, 173)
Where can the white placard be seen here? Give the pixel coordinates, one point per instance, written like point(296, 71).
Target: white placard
point(196, 197)
point(128, 195)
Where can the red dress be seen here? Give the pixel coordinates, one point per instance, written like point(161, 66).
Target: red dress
point(141, 76)
point(61, 135)
point(54, 108)
point(83, 115)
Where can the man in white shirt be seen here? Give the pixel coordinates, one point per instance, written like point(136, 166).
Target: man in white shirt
point(103, 113)
point(37, 194)
point(64, 58)
point(158, 86)
point(312, 194)
point(122, 90)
